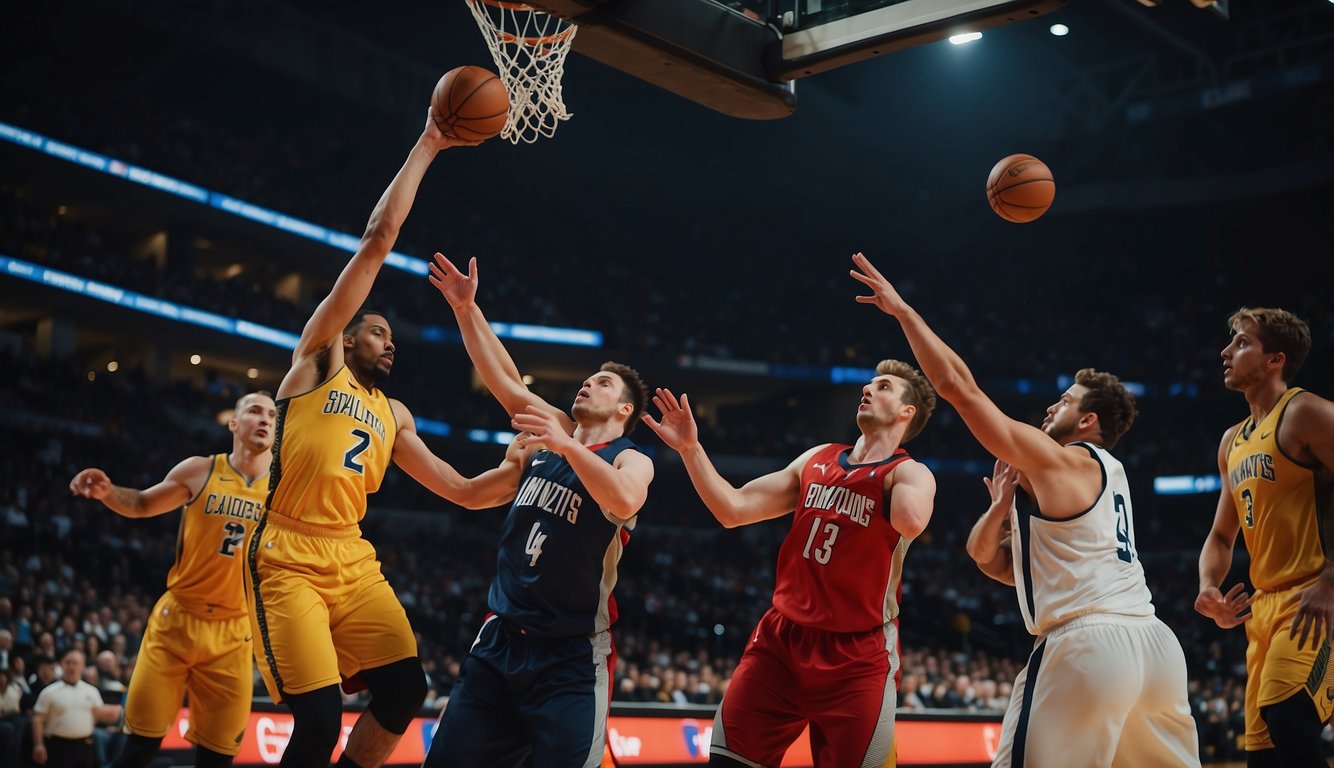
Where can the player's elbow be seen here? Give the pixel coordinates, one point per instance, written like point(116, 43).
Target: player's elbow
point(379, 237)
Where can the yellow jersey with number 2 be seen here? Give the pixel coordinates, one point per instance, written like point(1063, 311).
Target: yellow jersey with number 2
point(332, 448)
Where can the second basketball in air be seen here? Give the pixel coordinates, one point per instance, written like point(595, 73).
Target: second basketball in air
point(1020, 188)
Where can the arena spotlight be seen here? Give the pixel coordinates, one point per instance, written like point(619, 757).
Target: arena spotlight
point(966, 37)
point(528, 377)
point(252, 373)
point(1061, 30)
point(113, 366)
point(195, 359)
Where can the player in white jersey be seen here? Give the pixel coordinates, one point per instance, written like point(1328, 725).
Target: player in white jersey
point(1106, 682)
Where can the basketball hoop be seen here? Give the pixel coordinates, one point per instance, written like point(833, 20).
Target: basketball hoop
point(529, 48)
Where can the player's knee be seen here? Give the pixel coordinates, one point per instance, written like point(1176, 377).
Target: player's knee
point(317, 722)
point(138, 751)
point(1293, 723)
point(397, 692)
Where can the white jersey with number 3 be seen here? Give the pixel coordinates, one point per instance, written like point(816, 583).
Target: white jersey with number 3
point(1086, 564)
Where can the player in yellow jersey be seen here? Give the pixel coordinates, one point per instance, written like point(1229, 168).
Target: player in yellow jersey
point(324, 613)
point(1278, 490)
point(198, 637)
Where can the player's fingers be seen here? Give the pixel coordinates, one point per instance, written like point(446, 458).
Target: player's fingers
point(1236, 589)
point(987, 481)
point(472, 268)
point(865, 299)
point(861, 278)
point(685, 403)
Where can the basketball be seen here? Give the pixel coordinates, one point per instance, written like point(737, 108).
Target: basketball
point(470, 103)
point(1020, 188)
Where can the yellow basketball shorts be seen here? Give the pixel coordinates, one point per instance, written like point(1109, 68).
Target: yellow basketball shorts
point(321, 609)
point(1276, 669)
point(208, 659)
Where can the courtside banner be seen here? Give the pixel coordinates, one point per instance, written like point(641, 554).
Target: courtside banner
point(640, 740)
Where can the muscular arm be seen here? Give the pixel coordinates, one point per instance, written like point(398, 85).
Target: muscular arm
point(1066, 478)
point(1309, 422)
point(488, 355)
point(912, 498)
point(620, 488)
point(1227, 610)
point(763, 498)
point(989, 541)
point(489, 489)
point(180, 485)
point(325, 326)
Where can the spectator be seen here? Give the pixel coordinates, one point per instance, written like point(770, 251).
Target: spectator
point(65, 716)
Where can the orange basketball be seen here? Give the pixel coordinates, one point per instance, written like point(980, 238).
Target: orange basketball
point(470, 103)
point(1020, 188)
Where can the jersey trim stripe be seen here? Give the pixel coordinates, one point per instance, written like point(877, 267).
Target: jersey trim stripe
point(1030, 687)
point(276, 465)
point(1278, 430)
point(1101, 490)
point(1026, 556)
point(260, 618)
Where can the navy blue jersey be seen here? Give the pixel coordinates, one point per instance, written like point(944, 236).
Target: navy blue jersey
point(558, 551)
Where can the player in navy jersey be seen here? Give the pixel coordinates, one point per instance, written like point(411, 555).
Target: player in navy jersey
point(1106, 681)
point(536, 685)
point(826, 653)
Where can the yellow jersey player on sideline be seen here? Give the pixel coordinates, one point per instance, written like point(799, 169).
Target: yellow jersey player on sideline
point(198, 637)
point(1278, 489)
point(323, 611)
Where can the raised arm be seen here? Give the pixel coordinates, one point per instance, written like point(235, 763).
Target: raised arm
point(620, 488)
point(489, 489)
point(325, 326)
point(180, 485)
point(764, 498)
point(1013, 442)
point(488, 355)
point(1216, 555)
point(989, 541)
point(912, 497)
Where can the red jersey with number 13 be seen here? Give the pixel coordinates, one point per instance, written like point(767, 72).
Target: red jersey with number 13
point(841, 567)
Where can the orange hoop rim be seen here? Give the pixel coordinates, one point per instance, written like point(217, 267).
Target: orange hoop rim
point(529, 42)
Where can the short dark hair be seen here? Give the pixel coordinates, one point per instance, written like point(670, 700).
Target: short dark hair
point(1277, 330)
point(359, 319)
point(72, 649)
point(636, 393)
point(1106, 396)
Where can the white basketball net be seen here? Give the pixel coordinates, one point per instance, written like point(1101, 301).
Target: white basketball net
point(529, 48)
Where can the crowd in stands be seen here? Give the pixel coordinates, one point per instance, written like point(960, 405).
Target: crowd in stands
point(75, 575)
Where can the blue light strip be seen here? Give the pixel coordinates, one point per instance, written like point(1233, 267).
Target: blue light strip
point(261, 215)
point(232, 205)
point(1180, 485)
point(146, 304)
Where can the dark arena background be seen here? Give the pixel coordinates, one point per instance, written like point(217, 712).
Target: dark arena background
point(180, 183)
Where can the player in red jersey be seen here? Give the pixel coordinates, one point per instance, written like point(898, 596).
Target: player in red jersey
point(826, 653)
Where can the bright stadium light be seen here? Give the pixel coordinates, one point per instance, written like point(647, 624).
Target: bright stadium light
point(113, 366)
point(966, 37)
point(252, 373)
point(195, 359)
point(1061, 30)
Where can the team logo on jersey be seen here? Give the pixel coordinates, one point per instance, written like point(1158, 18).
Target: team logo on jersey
point(1259, 465)
point(550, 496)
point(350, 405)
point(821, 467)
point(844, 501)
point(231, 506)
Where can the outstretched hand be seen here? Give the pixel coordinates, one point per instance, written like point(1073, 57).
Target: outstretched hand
point(459, 289)
point(1004, 479)
point(90, 484)
point(883, 294)
point(1225, 610)
point(677, 428)
point(545, 431)
point(1315, 614)
point(438, 138)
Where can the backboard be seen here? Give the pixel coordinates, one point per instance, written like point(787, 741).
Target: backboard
point(740, 57)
